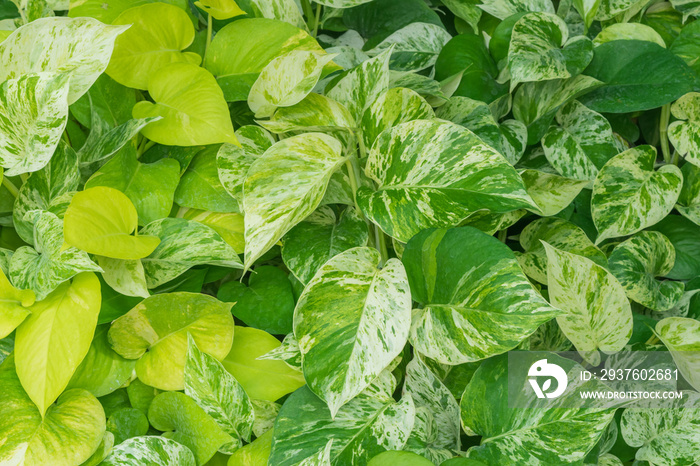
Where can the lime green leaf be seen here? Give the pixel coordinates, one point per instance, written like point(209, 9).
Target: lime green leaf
point(228, 225)
point(184, 244)
point(151, 450)
point(13, 306)
point(102, 451)
point(78, 47)
point(689, 199)
point(628, 195)
point(54, 339)
point(200, 186)
point(101, 221)
point(360, 430)
point(66, 435)
point(217, 392)
point(192, 106)
point(435, 174)
point(597, 314)
point(404, 458)
point(302, 165)
point(255, 453)
point(684, 134)
point(370, 310)
point(157, 337)
point(637, 262)
point(680, 335)
point(33, 115)
point(48, 265)
point(220, 9)
point(414, 47)
point(127, 423)
point(158, 34)
point(552, 193)
point(628, 31)
point(463, 319)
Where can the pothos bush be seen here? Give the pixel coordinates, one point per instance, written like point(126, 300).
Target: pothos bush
point(272, 232)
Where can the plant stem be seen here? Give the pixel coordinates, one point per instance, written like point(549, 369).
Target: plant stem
point(653, 340)
point(503, 235)
point(353, 181)
point(381, 244)
point(318, 18)
point(210, 26)
point(10, 187)
point(308, 11)
point(663, 132)
point(66, 137)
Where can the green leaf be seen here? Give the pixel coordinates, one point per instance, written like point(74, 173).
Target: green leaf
point(261, 379)
point(48, 265)
point(240, 50)
point(104, 141)
point(502, 9)
point(554, 431)
point(107, 100)
point(462, 318)
point(404, 458)
point(685, 237)
point(101, 221)
point(200, 186)
point(302, 165)
point(628, 195)
point(680, 335)
point(685, 133)
point(597, 314)
point(255, 453)
point(66, 435)
point(124, 276)
point(14, 306)
point(360, 430)
point(266, 303)
point(629, 31)
point(282, 10)
point(151, 450)
point(285, 81)
point(217, 392)
point(551, 193)
point(220, 9)
point(157, 337)
point(630, 85)
point(637, 262)
point(315, 113)
point(435, 174)
point(687, 46)
point(150, 187)
point(54, 339)
point(184, 244)
point(687, 7)
point(689, 199)
point(127, 423)
point(414, 47)
point(78, 47)
point(33, 115)
point(192, 106)
point(229, 226)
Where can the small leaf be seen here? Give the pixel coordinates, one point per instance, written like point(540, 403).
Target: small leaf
point(151, 450)
point(220, 9)
point(684, 134)
point(414, 47)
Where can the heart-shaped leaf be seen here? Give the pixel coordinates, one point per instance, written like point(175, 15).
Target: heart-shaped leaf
point(220, 9)
point(684, 134)
point(680, 335)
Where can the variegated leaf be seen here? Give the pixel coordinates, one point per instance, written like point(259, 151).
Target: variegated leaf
point(637, 262)
point(467, 11)
point(320, 237)
point(342, 3)
point(233, 163)
point(370, 310)
point(285, 81)
point(476, 301)
point(608, 9)
point(551, 193)
point(288, 352)
point(540, 432)
point(126, 277)
point(502, 9)
point(687, 7)
point(184, 244)
point(629, 31)
point(490, 223)
point(435, 174)
point(322, 458)
point(587, 10)
point(684, 134)
point(436, 432)
point(361, 429)
point(581, 144)
point(560, 234)
point(689, 199)
point(47, 265)
point(151, 450)
point(282, 10)
point(104, 140)
point(681, 335)
point(628, 195)
point(315, 113)
point(597, 314)
point(33, 115)
point(414, 47)
point(78, 47)
point(265, 412)
point(665, 435)
point(284, 186)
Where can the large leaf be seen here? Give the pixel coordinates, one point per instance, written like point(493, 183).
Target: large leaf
point(151, 450)
point(158, 34)
point(55, 338)
point(192, 106)
point(66, 435)
point(157, 337)
point(79, 47)
point(435, 174)
point(476, 301)
point(361, 429)
point(597, 314)
point(33, 115)
point(284, 186)
point(680, 335)
point(414, 47)
point(370, 310)
point(101, 221)
point(628, 195)
point(685, 133)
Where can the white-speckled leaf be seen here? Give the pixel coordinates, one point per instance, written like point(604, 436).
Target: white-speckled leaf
point(689, 200)
point(151, 451)
point(597, 314)
point(285, 81)
point(315, 113)
point(370, 310)
point(284, 186)
point(79, 47)
point(342, 3)
point(126, 277)
point(415, 47)
point(552, 193)
point(232, 164)
point(104, 140)
point(687, 7)
point(608, 9)
point(476, 301)
point(681, 335)
point(33, 115)
point(637, 262)
point(628, 195)
point(684, 134)
point(322, 458)
point(288, 352)
point(502, 9)
point(282, 10)
point(363, 428)
point(435, 174)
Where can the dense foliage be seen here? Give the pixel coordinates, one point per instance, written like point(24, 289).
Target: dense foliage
point(311, 232)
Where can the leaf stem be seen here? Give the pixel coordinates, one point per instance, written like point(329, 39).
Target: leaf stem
point(503, 235)
point(10, 186)
point(318, 19)
point(663, 132)
point(381, 244)
point(210, 27)
point(308, 11)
